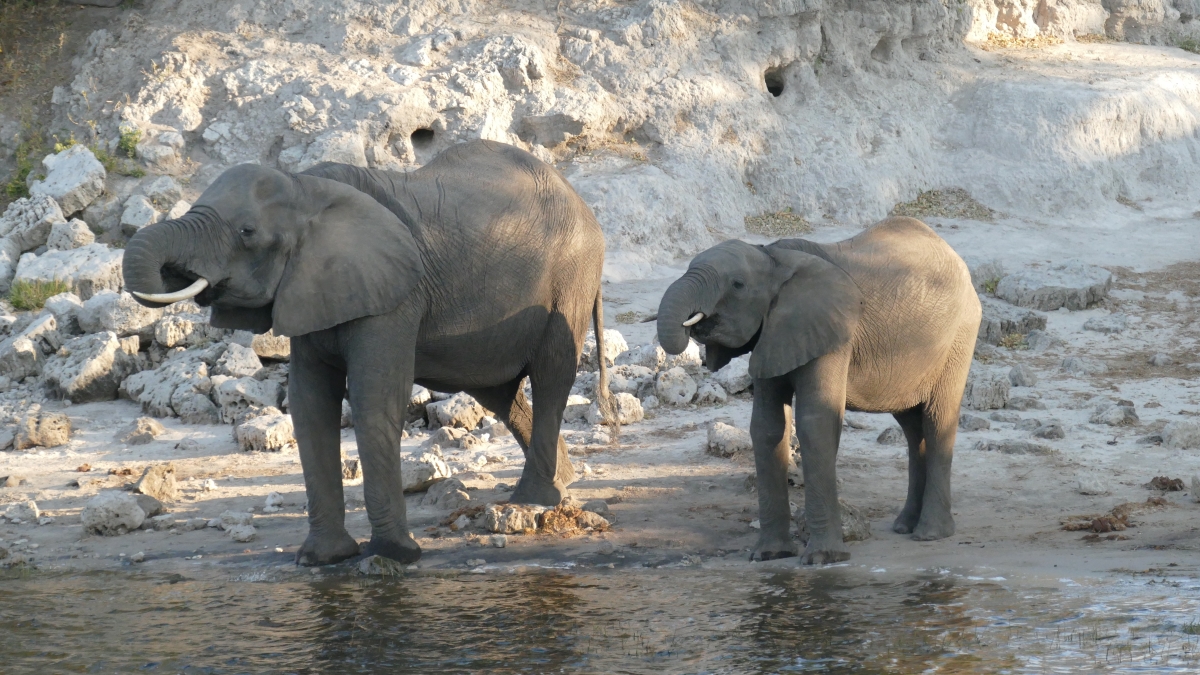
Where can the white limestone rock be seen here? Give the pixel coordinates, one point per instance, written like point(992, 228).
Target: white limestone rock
point(726, 440)
point(1182, 435)
point(649, 356)
point(711, 393)
point(180, 378)
point(577, 408)
point(27, 222)
point(1073, 285)
point(231, 519)
point(1022, 375)
point(163, 192)
point(629, 410)
point(26, 511)
point(112, 512)
point(420, 472)
point(675, 387)
point(987, 388)
point(139, 212)
point(460, 410)
point(69, 235)
point(266, 433)
point(449, 495)
point(90, 368)
point(1108, 325)
point(119, 313)
point(614, 346)
point(512, 518)
point(88, 270)
point(178, 209)
point(185, 330)
point(243, 533)
point(629, 379)
point(74, 177)
point(65, 308)
point(238, 361)
point(43, 429)
point(1114, 415)
point(734, 377)
point(1001, 319)
point(235, 396)
point(23, 353)
point(1082, 366)
point(691, 359)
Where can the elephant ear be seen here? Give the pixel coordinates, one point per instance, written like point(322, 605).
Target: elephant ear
point(814, 313)
point(256, 320)
point(354, 258)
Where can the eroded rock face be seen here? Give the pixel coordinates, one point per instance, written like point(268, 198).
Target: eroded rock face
point(112, 512)
point(1073, 285)
point(74, 177)
point(91, 367)
point(460, 410)
point(158, 482)
point(1001, 319)
point(119, 313)
point(88, 269)
point(24, 353)
point(269, 432)
point(42, 429)
point(675, 387)
point(987, 388)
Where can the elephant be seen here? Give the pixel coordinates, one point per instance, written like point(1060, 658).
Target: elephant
point(882, 322)
point(468, 274)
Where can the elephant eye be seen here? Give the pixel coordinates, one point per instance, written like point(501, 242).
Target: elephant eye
point(246, 231)
point(738, 285)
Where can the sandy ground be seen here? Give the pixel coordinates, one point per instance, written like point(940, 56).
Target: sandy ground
point(676, 505)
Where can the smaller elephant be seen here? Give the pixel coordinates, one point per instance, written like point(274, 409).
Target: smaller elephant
point(882, 322)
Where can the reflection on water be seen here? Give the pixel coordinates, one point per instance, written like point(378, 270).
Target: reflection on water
point(625, 621)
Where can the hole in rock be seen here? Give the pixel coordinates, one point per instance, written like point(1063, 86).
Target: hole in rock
point(774, 80)
point(422, 138)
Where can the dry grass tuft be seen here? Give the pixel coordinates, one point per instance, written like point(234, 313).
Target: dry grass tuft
point(779, 224)
point(998, 41)
point(1093, 38)
point(27, 295)
point(951, 202)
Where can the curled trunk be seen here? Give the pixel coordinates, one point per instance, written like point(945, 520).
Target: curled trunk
point(691, 293)
point(167, 257)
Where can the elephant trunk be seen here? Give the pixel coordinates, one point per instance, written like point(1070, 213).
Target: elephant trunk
point(161, 263)
point(692, 294)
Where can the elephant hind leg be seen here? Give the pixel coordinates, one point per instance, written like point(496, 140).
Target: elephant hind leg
point(912, 423)
point(508, 403)
point(939, 425)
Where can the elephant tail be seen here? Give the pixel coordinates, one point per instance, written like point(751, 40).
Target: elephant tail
point(604, 398)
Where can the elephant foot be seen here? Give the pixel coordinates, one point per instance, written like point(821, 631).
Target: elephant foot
point(541, 493)
point(906, 522)
point(403, 548)
point(933, 527)
point(326, 549)
point(773, 548)
point(566, 471)
point(824, 550)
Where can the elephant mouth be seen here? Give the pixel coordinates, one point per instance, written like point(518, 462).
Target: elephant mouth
point(704, 329)
point(708, 331)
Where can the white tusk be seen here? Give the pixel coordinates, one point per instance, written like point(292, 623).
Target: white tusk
point(694, 320)
point(167, 298)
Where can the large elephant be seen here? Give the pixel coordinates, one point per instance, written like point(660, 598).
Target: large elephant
point(468, 274)
point(882, 322)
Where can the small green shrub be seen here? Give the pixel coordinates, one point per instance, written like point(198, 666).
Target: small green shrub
point(1188, 44)
point(989, 286)
point(114, 164)
point(59, 146)
point(129, 142)
point(28, 150)
point(27, 295)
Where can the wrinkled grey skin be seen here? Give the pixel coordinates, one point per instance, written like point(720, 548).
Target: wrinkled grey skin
point(469, 274)
point(882, 322)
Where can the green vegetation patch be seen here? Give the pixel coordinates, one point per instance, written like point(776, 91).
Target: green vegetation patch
point(779, 224)
point(951, 202)
point(27, 295)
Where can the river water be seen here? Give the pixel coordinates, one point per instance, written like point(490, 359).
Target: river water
point(522, 620)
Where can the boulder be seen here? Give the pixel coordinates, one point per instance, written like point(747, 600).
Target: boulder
point(10, 258)
point(69, 235)
point(1024, 403)
point(65, 308)
point(1114, 415)
point(649, 356)
point(185, 330)
point(271, 346)
point(629, 379)
point(88, 270)
point(512, 518)
point(159, 482)
point(1113, 323)
point(450, 495)
point(104, 213)
point(968, 422)
point(1182, 434)
point(1081, 366)
point(266, 433)
point(1022, 375)
point(112, 512)
point(614, 346)
point(418, 473)
point(26, 511)
point(734, 377)
point(892, 435)
point(1040, 341)
point(140, 432)
point(178, 209)
point(74, 177)
point(1014, 447)
point(23, 353)
point(231, 519)
point(243, 533)
point(1073, 285)
point(174, 385)
point(1001, 319)
point(1050, 431)
point(675, 387)
point(91, 368)
point(711, 393)
point(1161, 360)
point(42, 429)
point(238, 361)
point(726, 440)
point(460, 410)
point(629, 410)
point(138, 213)
point(119, 313)
point(690, 359)
point(163, 192)
point(236, 396)
point(855, 524)
point(987, 388)
point(26, 222)
point(577, 408)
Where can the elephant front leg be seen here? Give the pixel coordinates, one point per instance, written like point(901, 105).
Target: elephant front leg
point(770, 429)
point(315, 391)
point(911, 422)
point(380, 365)
point(820, 405)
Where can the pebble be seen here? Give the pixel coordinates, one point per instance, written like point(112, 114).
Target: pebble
point(498, 540)
point(137, 557)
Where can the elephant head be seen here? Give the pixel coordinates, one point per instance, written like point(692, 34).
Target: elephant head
point(786, 306)
point(266, 248)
